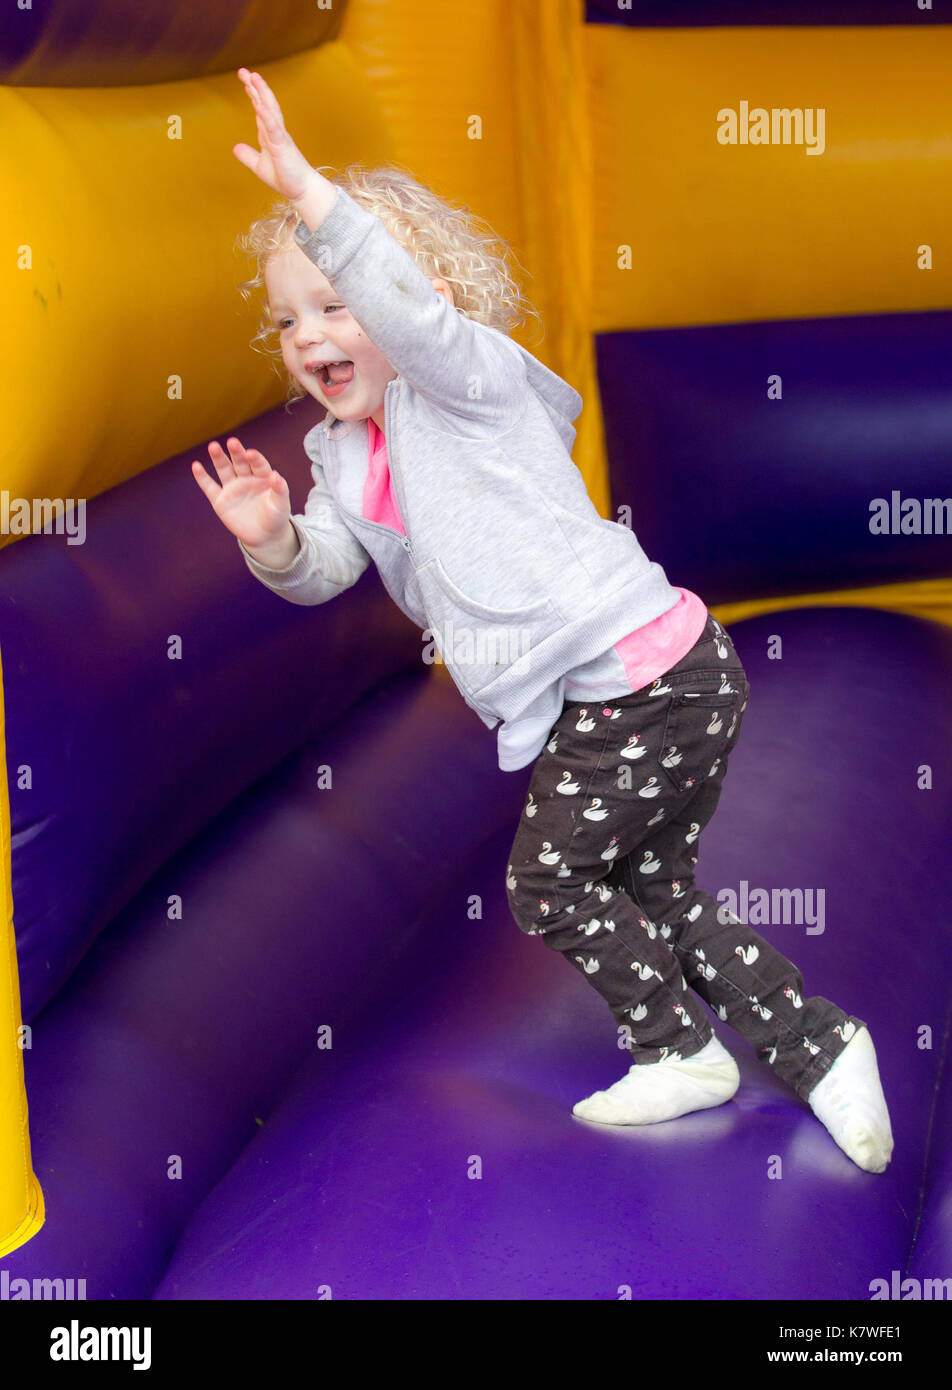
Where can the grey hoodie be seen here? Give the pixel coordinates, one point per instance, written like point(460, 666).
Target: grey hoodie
point(506, 564)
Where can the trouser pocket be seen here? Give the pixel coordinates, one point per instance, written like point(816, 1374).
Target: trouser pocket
point(702, 724)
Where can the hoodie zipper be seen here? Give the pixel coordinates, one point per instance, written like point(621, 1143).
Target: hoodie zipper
point(393, 474)
point(366, 521)
point(405, 540)
point(470, 700)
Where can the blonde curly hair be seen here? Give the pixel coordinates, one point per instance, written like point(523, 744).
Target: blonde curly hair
point(444, 240)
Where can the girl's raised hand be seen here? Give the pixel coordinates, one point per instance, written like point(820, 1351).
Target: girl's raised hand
point(279, 163)
point(253, 500)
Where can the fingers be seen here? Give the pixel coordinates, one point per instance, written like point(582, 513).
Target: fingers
point(239, 462)
point(265, 103)
point(258, 89)
point(248, 155)
point(221, 461)
point(247, 461)
point(204, 481)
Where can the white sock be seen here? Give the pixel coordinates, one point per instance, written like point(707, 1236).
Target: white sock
point(663, 1090)
point(850, 1102)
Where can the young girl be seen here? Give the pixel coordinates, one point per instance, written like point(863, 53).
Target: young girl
point(444, 458)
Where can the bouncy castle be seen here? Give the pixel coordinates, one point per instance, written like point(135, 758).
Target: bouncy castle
point(267, 1027)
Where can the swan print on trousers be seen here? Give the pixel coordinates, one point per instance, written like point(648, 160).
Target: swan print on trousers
point(703, 968)
point(577, 809)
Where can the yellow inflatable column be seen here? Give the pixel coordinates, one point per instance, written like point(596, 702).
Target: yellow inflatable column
point(517, 68)
point(555, 163)
point(21, 1197)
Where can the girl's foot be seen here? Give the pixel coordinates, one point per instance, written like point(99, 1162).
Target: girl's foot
point(850, 1102)
point(664, 1090)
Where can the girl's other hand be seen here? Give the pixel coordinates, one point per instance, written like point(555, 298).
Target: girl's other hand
point(252, 502)
point(279, 163)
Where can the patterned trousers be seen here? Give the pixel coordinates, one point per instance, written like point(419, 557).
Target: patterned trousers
point(602, 868)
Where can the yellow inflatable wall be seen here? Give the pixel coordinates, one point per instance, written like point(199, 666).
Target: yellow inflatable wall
point(21, 1197)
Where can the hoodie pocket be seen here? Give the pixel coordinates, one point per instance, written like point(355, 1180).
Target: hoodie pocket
point(479, 643)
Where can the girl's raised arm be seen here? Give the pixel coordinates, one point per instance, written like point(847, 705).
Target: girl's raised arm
point(442, 353)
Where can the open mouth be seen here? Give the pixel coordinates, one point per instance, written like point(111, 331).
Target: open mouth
point(334, 374)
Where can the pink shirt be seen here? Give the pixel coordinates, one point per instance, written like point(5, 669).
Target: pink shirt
point(379, 503)
point(645, 654)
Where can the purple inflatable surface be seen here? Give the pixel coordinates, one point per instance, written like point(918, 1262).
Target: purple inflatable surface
point(286, 1035)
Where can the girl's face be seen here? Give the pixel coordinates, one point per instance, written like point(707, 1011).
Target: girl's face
point(316, 327)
